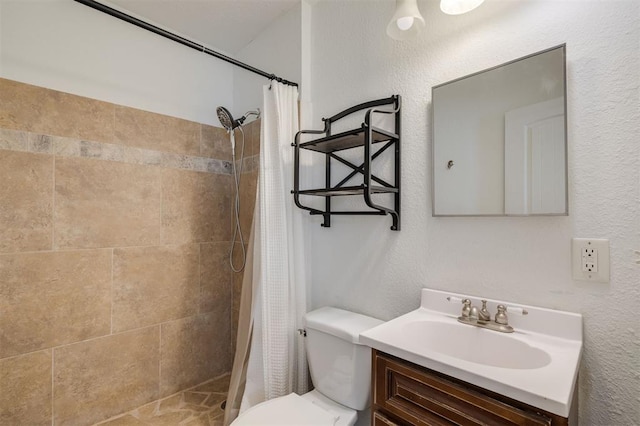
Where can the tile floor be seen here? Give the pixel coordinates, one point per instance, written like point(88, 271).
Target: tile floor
point(198, 406)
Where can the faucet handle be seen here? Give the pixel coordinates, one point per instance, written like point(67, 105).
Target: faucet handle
point(501, 316)
point(466, 308)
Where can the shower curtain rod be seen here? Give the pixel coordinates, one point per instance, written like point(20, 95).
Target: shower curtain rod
point(185, 42)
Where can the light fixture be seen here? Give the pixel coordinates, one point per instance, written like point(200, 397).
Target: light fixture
point(458, 7)
point(407, 22)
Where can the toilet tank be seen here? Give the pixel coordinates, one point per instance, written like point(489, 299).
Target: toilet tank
point(340, 366)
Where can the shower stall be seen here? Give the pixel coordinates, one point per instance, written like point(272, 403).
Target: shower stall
point(117, 300)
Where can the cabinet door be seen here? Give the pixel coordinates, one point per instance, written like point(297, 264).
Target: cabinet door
point(421, 397)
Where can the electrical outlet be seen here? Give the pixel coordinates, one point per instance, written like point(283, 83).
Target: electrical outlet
point(590, 259)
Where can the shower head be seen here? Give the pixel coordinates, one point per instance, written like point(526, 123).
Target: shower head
point(227, 121)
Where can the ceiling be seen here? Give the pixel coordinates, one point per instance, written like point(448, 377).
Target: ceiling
point(224, 25)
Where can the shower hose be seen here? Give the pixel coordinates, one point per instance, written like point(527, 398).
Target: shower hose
point(237, 230)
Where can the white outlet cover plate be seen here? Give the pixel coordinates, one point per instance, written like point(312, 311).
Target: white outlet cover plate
point(602, 246)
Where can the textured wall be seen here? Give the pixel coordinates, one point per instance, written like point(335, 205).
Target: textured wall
point(115, 288)
point(359, 264)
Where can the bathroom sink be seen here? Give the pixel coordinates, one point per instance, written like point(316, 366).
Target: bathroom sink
point(474, 344)
point(537, 363)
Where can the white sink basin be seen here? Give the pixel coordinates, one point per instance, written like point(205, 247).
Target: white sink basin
point(536, 364)
point(474, 344)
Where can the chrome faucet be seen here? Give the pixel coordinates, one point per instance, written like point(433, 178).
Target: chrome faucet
point(482, 318)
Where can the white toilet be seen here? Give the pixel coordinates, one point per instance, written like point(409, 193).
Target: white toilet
point(340, 370)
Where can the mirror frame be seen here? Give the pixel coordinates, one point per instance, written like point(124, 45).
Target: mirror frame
point(563, 47)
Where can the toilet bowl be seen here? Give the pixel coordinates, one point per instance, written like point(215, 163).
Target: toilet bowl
point(340, 371)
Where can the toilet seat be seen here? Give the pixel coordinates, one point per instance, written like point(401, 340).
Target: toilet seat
point(296, 410)
point(346, 416)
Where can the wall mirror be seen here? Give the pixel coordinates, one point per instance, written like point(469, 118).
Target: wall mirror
point(499, 140)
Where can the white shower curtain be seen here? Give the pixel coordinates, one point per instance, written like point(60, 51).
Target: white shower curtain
point(277, 362)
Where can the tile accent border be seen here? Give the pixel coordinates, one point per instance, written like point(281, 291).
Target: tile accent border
point(15, 140)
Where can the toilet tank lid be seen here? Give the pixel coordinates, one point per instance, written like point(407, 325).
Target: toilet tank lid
point(340, 323)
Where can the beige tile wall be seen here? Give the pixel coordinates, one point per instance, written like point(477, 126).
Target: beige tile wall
point(115, 223)
point(26, 191)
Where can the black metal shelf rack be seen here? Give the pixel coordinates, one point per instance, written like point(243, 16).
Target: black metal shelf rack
point(366, 137)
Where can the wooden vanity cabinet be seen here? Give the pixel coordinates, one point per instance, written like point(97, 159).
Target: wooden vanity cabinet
point(408, 394)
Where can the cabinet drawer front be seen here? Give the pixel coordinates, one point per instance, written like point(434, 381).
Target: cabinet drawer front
point(379, 419)
point(426, 398)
